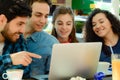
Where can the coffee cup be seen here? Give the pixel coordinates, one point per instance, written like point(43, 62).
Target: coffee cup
point(103, 66)
point(13, 74)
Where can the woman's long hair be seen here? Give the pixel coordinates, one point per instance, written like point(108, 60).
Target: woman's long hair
point(64, 10)
point(90, 36)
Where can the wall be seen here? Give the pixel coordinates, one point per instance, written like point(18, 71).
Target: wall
point(115, 7)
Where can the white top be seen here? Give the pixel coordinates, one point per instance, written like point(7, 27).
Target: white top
point(1, 47)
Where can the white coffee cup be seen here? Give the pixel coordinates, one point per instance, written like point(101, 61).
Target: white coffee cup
point(103, 66)
point(13, 74)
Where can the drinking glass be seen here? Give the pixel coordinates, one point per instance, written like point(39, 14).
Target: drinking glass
point(115, 66)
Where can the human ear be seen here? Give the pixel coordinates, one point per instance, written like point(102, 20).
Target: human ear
point(3, 21)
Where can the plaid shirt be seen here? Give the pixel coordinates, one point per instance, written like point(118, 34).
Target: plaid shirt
point(5, 60)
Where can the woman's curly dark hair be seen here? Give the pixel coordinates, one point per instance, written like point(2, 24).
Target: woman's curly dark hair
point(90, 36)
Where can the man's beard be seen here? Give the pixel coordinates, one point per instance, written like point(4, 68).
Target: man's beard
point(8, 37)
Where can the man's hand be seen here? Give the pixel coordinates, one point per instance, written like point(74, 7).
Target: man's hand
point(23, 57)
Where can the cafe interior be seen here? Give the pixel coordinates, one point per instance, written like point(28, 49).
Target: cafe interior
point(82, 9)
point(69, 55)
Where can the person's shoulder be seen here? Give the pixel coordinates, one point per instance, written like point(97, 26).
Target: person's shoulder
point(21, 38)
point(118, 43)
point(44, 35)
point(50, 37)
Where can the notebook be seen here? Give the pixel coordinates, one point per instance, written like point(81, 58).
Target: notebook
point(74, 59)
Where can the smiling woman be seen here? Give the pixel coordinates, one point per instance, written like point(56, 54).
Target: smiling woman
point(103, 26)
point(79, 24)
point(63, 25)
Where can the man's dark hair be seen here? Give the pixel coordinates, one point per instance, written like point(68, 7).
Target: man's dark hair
point(42, 1)
point(14, 8)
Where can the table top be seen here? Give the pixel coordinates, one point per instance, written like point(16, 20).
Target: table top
point(108, 78)
point(45, 77)
point(108, 75)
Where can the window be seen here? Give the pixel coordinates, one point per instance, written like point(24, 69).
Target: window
point(109, 1)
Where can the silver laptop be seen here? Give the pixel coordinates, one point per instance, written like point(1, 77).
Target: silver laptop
point(74, 59)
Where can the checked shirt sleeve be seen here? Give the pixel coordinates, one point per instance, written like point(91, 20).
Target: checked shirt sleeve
point(5, 62)
point(5, 59)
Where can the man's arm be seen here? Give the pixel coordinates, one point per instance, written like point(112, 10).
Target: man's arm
point(5, 62)
point(18, 58)
point(23, 57)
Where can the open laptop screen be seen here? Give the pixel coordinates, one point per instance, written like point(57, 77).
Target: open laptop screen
point(74, 59)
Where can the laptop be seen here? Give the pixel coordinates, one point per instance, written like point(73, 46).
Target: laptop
point(74, 59)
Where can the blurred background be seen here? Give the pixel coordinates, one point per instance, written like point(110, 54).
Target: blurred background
point(81, 9)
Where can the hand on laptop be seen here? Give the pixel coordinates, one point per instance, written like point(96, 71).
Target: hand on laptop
point(23, 57)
